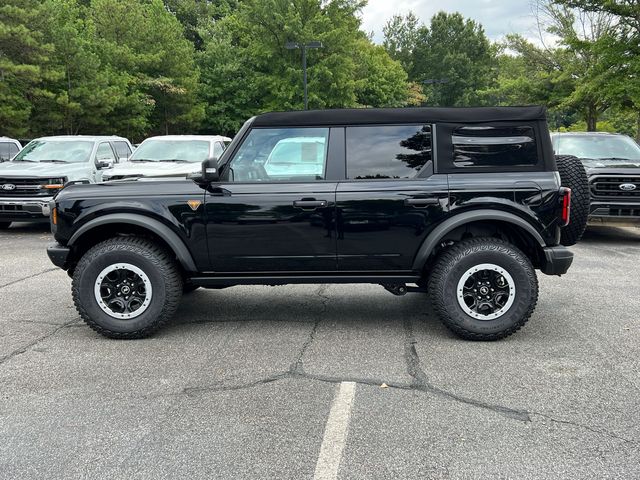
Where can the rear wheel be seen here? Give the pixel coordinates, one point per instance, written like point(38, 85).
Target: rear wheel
point(574, 176)
point(126, 287)
point(483, 289)
point(4, 225)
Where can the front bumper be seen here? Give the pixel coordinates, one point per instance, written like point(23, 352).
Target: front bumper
point(24, 209)
point(607, 213)
point(58, 254)
point(557, 260)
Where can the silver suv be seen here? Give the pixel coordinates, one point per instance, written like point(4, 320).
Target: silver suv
point(45, 165)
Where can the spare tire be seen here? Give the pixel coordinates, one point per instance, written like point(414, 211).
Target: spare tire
point(574, 176)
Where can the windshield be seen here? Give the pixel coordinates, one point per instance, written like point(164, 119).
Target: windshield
point(172, 150)
point(55, 151)
point(598, 147)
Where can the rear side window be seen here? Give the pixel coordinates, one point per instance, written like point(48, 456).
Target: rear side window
point(218, 148)
point(122, 149)
point(494, 146)
point(8, 150)
point(387, 151)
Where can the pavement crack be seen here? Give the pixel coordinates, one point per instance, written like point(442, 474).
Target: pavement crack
point(297, 366)
point(586, 427)
point(28, 277)
point(421, 381)
point(35, 342)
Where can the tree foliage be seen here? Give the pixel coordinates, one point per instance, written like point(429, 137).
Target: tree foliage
point(246, 68)
point(451, 56)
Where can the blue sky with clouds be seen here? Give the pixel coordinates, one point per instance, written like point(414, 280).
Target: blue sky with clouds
point(498, 17)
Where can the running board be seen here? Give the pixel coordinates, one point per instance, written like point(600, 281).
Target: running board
point(218, 280)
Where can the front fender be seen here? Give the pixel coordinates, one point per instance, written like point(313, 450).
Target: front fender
point(163, 231)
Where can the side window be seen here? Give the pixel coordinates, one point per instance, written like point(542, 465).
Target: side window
point(7, 150)
point(218, 148)
point(494, 146)
point(396, 151)
point(122, 149)
point(13, 150)
point(281, 155)
point(104, 152)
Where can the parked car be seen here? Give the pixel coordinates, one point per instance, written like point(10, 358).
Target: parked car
point(169, 156)
point(9, 147)
point(45, 165)
point(468, 221)
point(613, 167)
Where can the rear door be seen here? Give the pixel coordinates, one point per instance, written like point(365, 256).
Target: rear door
point(390, 199)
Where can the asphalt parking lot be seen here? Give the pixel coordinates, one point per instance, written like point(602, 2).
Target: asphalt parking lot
point(287, 382)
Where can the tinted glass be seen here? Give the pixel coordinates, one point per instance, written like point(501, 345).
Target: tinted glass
point(398, 151)
point(122, 149)
point(598, 146)
point(157, 150)
point(56, 151)
point(281, 154)
point(7, 150)
point(105, 152)
point(485, 146)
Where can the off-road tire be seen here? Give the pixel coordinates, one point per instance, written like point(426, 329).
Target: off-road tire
point(153, 260)
point(574, 176)
point(451, 265)
point(4, 225)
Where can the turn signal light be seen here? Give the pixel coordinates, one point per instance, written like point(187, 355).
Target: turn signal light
point(54, 216)
point(53, 186)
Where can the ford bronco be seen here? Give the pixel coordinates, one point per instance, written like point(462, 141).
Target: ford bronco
point(462, 203)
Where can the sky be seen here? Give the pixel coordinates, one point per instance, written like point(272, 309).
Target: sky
point(498, 17)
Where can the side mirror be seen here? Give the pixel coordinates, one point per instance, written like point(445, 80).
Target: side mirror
point(210, 171)
point(104, 164)
point(207, 174)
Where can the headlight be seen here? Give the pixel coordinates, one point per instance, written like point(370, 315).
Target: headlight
point(52, 184)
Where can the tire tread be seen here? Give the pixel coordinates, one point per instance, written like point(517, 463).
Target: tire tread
point(152, 252)
point(450, 257)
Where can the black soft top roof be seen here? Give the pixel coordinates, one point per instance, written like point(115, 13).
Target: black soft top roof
point(358, 116)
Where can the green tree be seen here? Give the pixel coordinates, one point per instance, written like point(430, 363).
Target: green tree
point(142, 44)
point(619, 48)
point(24, 58)
point(246, 68)
point(456, 56)
point(400, 38)
point(196, 15)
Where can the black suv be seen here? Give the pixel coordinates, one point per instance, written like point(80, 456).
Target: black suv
point(463, 203)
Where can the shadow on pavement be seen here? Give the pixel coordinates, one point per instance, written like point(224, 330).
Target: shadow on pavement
point(598, 233)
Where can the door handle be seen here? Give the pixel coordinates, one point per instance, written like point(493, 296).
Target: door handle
point(421, 202)
point(310, 204)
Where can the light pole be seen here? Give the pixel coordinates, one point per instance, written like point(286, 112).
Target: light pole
point(303, 47)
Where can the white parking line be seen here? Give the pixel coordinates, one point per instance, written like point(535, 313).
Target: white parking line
point(335, 433)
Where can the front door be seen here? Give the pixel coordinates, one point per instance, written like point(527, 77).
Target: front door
point(390, 200)
point(273, 209)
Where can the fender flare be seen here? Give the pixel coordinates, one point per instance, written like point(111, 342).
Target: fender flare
point(163, 231)
point(461, 219)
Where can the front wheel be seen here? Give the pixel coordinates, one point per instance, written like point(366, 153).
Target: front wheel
point(126, 287)
point(483, 289)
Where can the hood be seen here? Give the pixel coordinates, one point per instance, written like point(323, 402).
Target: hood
point(152, 169)
point(591, 163)
point(72, 171)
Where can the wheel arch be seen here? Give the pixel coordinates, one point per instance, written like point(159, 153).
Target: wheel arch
point(481, 219)
point(110, 225)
